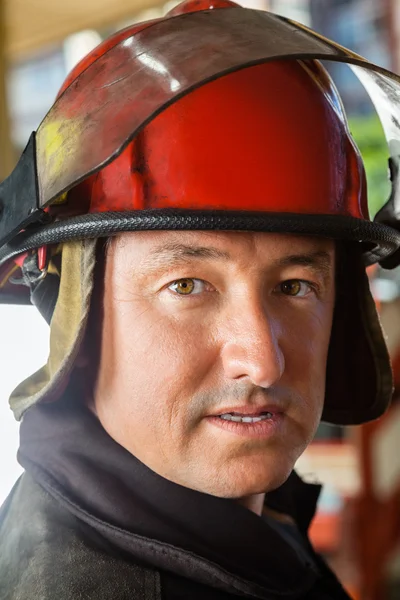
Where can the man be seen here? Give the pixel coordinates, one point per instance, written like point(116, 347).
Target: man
point(201, 259)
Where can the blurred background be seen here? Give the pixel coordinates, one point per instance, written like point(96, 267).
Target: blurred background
point(358, 522)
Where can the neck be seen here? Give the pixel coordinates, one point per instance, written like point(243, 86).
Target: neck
point(255, 503)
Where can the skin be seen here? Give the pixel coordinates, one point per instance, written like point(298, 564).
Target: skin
point(241, 337)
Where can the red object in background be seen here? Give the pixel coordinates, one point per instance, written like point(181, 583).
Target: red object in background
point(334, 461)
point(325, 532)
point(377, 514)
point(374, 528)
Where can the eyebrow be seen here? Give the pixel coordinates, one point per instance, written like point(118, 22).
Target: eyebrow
point(176, 254)
point(172, 255)
point(318, 261)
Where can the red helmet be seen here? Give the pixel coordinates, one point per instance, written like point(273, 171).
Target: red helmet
point(210, 119)
point(211, 150)
point(286, 114)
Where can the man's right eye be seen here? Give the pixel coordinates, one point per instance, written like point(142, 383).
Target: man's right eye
point(188, 286)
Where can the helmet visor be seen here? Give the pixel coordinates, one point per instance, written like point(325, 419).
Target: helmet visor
point(106, 106)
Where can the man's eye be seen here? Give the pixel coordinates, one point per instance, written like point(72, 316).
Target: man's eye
point(295, 288)
point(187, 286)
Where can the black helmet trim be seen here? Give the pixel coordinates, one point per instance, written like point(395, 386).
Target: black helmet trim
point(378, 241)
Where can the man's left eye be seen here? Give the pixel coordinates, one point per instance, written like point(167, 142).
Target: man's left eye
point(297, 288)
point(187, 286)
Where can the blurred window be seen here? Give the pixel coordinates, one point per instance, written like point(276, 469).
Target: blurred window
point(23, 350)
point(32, 88)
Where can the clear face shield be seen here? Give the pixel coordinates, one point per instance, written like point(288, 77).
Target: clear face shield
point(114, 98)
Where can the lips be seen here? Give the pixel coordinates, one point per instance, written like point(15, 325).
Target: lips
point(248, 410)
point(238, 418)
point(249, 420)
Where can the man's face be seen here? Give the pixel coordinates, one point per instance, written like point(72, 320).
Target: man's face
point(213, 354)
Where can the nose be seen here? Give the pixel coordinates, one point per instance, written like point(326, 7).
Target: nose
point(251, 348)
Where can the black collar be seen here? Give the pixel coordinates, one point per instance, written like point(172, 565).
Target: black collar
point(209, 539)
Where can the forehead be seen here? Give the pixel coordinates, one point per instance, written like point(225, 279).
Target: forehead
point(232, 245)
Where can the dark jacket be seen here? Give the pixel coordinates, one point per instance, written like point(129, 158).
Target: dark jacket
point(89, 521)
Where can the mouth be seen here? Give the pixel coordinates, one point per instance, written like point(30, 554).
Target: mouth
point(241, 418)
point(249, 421)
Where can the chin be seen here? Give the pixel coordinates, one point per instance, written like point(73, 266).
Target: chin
point(249, 479)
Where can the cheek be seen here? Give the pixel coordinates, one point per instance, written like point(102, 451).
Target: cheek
point(307, 335)
point(156, 364)
point(159, 357)
point(305, 345)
